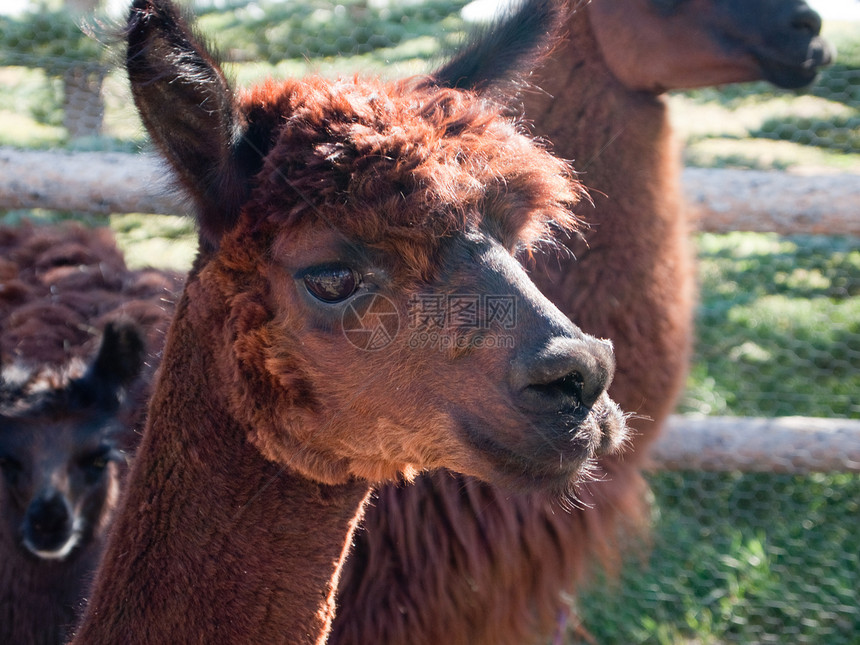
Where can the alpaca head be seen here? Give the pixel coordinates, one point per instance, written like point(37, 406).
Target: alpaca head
point(60, 434)
point(660, 45)
point(358, 274)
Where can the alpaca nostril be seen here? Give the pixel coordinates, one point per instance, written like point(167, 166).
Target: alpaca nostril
point(570, 385)
point(570, 372)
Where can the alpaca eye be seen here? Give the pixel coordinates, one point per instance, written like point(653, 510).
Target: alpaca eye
point(93, 465)
point(11, 468)
point(331, 283)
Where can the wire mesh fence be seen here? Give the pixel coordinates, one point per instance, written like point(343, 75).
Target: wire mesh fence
point(735, 557)
point(738, 558)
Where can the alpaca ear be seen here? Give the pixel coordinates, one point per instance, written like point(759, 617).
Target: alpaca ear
point(116, 366)
point(190, 112)
point(120, 357)
point(499, 56)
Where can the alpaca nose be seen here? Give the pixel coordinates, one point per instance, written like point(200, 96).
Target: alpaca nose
point(48, 521)
point(567, 372)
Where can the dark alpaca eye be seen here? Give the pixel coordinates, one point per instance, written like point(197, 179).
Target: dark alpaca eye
point(94, 464)
point(331, 283)
point(11, 468)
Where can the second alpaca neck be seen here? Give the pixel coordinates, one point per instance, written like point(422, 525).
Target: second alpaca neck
point(213, 543)
point(39, 598)
point(621, 142)
point(619, 139)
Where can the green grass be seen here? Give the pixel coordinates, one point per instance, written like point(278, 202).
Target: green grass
point(739, 558)
point(781, 316)
point(768, 129)
point(166, 240)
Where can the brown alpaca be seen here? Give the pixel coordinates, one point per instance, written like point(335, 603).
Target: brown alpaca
point(451, 560)
point(77, 365)
point(326, 207)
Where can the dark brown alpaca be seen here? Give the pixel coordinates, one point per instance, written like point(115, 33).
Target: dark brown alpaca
point(451, 560)
point(62, 436)
point(329, 210)
point(77, 365)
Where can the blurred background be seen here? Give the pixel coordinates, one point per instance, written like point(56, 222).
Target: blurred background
point(737, 557)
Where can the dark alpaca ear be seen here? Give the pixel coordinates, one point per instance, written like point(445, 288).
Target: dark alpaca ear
point(497, 57)
point(117, 365)
point(120, 357)
point(190, 111)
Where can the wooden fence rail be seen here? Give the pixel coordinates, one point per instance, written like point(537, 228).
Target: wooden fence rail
point(722, 200)
point(751, 444)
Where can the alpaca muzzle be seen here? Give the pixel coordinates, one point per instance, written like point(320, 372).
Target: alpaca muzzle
point(50, 530)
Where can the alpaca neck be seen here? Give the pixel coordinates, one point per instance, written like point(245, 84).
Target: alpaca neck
point(620, 140)
point(213, 543)
point(39, 599)
point(609, 131)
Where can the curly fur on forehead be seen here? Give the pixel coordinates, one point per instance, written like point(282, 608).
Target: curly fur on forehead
point(403, 165)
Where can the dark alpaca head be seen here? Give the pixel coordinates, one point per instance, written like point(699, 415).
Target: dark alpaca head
point(660, 45)
point(319, 199)
point(60, 440)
